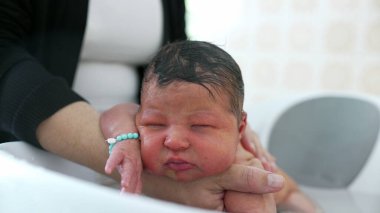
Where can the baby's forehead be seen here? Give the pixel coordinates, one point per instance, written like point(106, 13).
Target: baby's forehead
point(218, 95)
point(216, 92)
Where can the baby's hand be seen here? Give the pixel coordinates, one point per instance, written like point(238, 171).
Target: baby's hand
point(125, 157)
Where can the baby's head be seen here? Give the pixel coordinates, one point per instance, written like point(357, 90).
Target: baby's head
point(191, 118)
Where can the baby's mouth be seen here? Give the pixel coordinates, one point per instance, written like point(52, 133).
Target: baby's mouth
point(178, 165)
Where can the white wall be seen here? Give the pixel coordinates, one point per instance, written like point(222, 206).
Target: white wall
point(295, 46)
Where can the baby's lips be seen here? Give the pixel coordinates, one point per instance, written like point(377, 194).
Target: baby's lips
point(178, 165)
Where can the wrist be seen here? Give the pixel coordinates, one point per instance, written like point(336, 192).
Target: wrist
point(121, 138)
point(118, 120)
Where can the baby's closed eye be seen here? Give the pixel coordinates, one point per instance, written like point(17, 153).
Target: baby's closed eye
point(201, 127)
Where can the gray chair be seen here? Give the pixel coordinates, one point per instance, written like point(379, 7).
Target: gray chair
point(329, 143)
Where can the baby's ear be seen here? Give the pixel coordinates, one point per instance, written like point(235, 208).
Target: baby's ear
point(242, 124)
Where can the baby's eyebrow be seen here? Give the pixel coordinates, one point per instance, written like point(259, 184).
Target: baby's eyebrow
point(204, 116)
point(151, 113)
point(151, 110)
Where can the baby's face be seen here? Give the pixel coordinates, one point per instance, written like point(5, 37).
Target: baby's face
point(186, 134)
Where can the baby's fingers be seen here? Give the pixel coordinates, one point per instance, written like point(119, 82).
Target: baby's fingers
point(113, 161)
point(130, 172)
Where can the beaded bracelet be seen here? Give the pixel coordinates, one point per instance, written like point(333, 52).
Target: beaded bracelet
point(113, 141)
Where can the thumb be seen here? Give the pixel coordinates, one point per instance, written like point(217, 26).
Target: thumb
point(251, 179)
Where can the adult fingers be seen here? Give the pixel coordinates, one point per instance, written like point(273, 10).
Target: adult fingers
point(261, 150)
point(252, 145)
point(248, 145)
point(268, 161)
point(244, 178)
point(249, 202)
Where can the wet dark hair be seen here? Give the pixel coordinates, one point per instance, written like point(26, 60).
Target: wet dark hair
point(200, 63)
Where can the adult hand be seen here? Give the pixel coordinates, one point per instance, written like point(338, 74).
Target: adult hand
point(251, 142)
point(235, 201)
point(125, 156)
point(206, 193)
point(289, 198)
point(209, 192)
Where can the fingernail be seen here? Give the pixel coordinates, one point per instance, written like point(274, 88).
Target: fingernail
point(275, 180)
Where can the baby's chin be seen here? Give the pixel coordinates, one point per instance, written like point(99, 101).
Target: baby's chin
point(182, 176)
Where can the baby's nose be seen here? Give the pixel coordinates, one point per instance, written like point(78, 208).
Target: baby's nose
point(176, 140)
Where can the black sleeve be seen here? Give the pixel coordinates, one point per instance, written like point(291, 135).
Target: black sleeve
point(174, 20)
point(28, 92)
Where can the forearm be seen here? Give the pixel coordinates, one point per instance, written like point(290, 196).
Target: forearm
point(74, 133)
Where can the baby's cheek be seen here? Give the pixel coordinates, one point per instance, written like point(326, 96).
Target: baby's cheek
point(218, 164)
point(149, 156)
point(220, 158)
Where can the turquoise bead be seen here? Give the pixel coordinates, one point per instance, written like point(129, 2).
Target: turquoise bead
point(124, 136)
point(135, 135)
point(110, 147)
point(119, 138)
point(130, 135)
